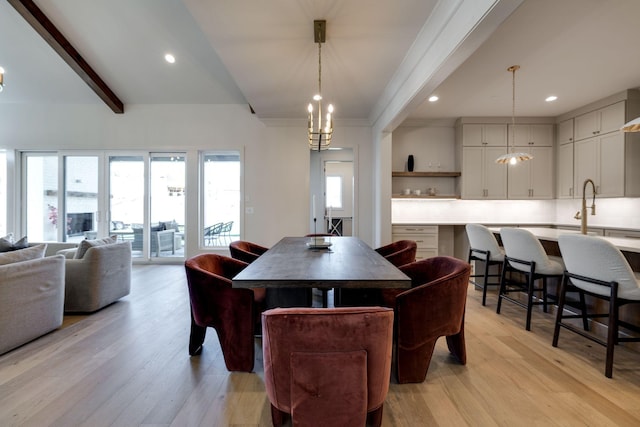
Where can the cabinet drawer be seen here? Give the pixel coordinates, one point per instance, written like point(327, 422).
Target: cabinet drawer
point(422, 240)
point(426, 253)
point(414, 229)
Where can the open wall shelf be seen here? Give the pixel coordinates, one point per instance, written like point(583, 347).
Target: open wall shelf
point(426, 174)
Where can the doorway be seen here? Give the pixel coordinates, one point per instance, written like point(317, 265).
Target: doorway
point(332, 192)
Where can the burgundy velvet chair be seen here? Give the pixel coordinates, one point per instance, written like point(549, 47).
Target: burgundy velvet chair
point(232, 312)
point(327, 366)
point(246, 251)
point(399, 253)
point(432, 308)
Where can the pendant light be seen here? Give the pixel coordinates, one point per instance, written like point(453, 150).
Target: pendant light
point(320, 137)
point(632, 126)
point(511, 158)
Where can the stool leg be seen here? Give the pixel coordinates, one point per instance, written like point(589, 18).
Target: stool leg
point(501, 292)
point(561, 295)
point(529, 300)
point(486, 280)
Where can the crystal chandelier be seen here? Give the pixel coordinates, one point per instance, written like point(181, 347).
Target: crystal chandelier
point(512, 158)
point(319, 136)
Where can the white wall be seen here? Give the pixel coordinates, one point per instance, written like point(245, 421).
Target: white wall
point(276, 155)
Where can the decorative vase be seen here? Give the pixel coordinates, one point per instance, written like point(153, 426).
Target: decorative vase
point(410, 163)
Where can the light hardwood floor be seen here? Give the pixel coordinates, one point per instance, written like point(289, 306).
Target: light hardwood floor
point(127, 365)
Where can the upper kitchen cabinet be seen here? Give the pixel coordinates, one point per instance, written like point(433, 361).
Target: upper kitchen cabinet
point(600, 151)
point(600, 122)
point(532, 179)
point(534, 135)
point(564, 153)
point(481, 144)
point(494, 135)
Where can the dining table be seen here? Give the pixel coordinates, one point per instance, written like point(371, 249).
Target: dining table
point(334, 262)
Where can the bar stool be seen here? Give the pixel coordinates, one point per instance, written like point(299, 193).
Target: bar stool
point(524, 254)
point(599, 269)
point(484, 247)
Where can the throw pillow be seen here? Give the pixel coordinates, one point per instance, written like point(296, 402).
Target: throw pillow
point(33, 252)
point(7, 244)
point(86, 244)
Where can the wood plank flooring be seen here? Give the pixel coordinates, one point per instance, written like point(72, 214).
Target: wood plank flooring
point(128, 365)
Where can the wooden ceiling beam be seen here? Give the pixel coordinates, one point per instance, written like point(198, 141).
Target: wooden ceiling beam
point(43, 26)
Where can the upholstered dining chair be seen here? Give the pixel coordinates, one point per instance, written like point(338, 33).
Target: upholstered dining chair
point(246, 251)
point(524, 254)
point(399, 253)
point(327, 366)
point(597, 268)
point(232, 312)
point(483, 247)
point(434, 307)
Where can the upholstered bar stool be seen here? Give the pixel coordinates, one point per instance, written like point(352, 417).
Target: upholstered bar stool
point(595, 267)
point(524, 254)
point(484, 247)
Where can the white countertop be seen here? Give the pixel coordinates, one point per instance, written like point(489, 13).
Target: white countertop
point(624, 244)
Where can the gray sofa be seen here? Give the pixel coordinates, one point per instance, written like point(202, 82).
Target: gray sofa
point(31, 300)
point(99, 278)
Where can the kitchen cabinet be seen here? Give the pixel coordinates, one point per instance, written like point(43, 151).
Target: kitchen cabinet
point(532, 179)
point(565, 171)
point(601, 159)
point(600, 122)
point(565, 132)
point(482, 177)
point(425, 236)
point(484, 135)
point(531, 135)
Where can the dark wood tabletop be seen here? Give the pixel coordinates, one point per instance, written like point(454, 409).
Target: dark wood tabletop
point(348, 263)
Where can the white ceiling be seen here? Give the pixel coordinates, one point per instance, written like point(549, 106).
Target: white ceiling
point(262, 53)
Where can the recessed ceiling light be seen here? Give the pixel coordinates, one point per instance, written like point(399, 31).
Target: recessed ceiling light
point(551, 98)
point(169, 58)
point(433, 98)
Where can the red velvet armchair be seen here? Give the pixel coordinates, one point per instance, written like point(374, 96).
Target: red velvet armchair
point(432, 308)
point(246, 251)
point(327, 366)
point(399, 253)
point(230, 311)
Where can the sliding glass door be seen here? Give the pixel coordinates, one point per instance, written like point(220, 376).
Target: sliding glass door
point(126, 200)
point(81, 204)
point(40, 189)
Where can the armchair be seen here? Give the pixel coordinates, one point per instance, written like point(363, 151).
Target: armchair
point(99, 278)
point(432, 308)
point(327, 366)
point(230, 311)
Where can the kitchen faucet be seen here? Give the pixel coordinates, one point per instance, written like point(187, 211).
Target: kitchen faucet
point(582, 214)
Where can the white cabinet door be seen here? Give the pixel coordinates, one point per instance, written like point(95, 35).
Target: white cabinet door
point(565, 132)
point(585, 163)
point(532, 179)
point(565, 171)
point(532, 135)
point(602, 160)
point(472, 173)
point(599, 122)
point(484, 135)
point(495, 174)
point(611, 165)
point(542, 173)
point(482, 177)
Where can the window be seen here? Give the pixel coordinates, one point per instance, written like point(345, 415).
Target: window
point(43, 218)
point(334, 192)
point(221, 197)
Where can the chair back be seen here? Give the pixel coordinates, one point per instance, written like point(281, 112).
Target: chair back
point(596, 258)
point(246, 251)
point(432, 308)
point(327, 366)
point(399, 253)
point(481, 238)
point(522, 244)
point(209, 280)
